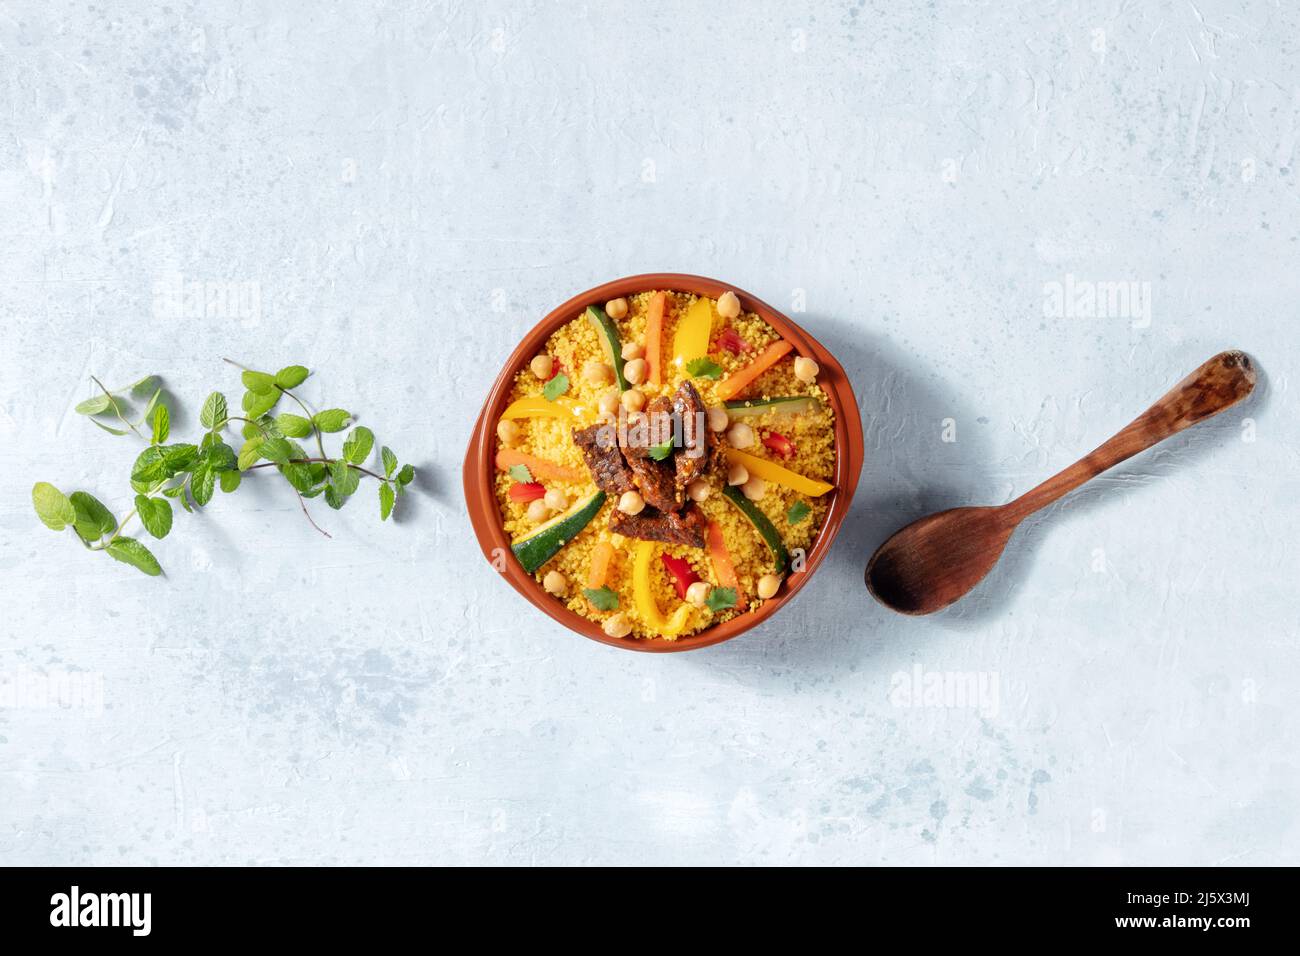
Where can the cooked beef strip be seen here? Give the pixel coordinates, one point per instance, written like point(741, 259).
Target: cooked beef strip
point(600, 449)
point(637, 440)
point(691, 458)
point(687, 527)
point(655, 481)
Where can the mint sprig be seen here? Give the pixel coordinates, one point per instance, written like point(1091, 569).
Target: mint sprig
point(189, 474)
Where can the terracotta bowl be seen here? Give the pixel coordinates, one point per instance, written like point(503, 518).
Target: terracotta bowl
point(478, 470)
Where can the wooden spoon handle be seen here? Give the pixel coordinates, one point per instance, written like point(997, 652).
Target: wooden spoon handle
point(1217, 385)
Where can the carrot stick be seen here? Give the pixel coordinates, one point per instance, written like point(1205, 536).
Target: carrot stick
point(723, 569)
point(737, 380)
point(601, 555)
point(654, 333)
point(540, 467)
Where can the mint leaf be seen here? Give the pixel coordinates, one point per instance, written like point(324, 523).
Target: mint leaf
point(386, 499)
point(249, 453)
point(149, 405)
point(178, 458)
point(332, 420)
point(230, 481)
point(358, 445)
point(556, 387)
point(257, 404)
point(704, 368)
point(219, 456)
point(293, 426)
point(155, 514)
point(132, 552)
point(143, 385)
point(258, 382)
point(275, 449)
point(798, 512)
point(343, 480)
point(52, 506)
point(390, 461)
point(162, 424)
point(93, 519)
point(602, 599)
point(720, 599)
point(111, 431)
point(406, 475)
point(94, 406)
point(660, 452)
point(214, 412)
point(203, 483)
point(149, 465)
point(291, 376)
point(520, 473)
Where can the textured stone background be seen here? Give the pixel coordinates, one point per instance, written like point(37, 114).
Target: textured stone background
point(401, 190)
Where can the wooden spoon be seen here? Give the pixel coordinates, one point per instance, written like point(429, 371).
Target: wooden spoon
point(937, 559)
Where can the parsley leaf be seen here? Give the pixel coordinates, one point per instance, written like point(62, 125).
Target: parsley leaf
point(520, 473)
point(660, 452)
point(720, 599)
point(798, 512)
point(704, 368)
point(556, 387)
point(602, 599)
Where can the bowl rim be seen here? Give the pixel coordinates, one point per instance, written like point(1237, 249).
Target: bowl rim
point(478, 469)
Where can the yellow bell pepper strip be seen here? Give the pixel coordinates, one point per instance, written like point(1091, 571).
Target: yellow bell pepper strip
point(691, 340)
point(731, 386)
point(538, 407)
point(540, 467)
point(643, 596)
point(771, 471)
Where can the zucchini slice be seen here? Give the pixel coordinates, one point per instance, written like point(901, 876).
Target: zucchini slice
point(540, 545)
point(766, 530)
point(610, 343)
point(782, 405)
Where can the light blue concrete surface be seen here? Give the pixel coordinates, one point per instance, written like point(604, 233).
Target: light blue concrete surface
point(396, 192)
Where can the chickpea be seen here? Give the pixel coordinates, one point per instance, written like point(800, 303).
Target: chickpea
point(542, 366)
point(507, 431)
point(556, 500)
point(698, 490)
point(805, 370)
point(597, 372)
point(755, 488)
point(728, 305)
point(698, 593)
point(633, 400)
point(537, 511)
point(617, 626)
point(740, 436)
point(635, 371)
point(616, 308)
point(632, 350)
point(607, 405)
point(631, 503)
point(718, 419)
point(768, 585)
point(555, 583)
point(737, 474)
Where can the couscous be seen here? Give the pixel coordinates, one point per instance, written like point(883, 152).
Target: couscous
point(663, 463)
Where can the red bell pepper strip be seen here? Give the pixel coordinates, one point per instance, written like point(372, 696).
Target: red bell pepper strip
point(682, 573)
point(730, 340)
point(525, 491)
point(778, 444)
